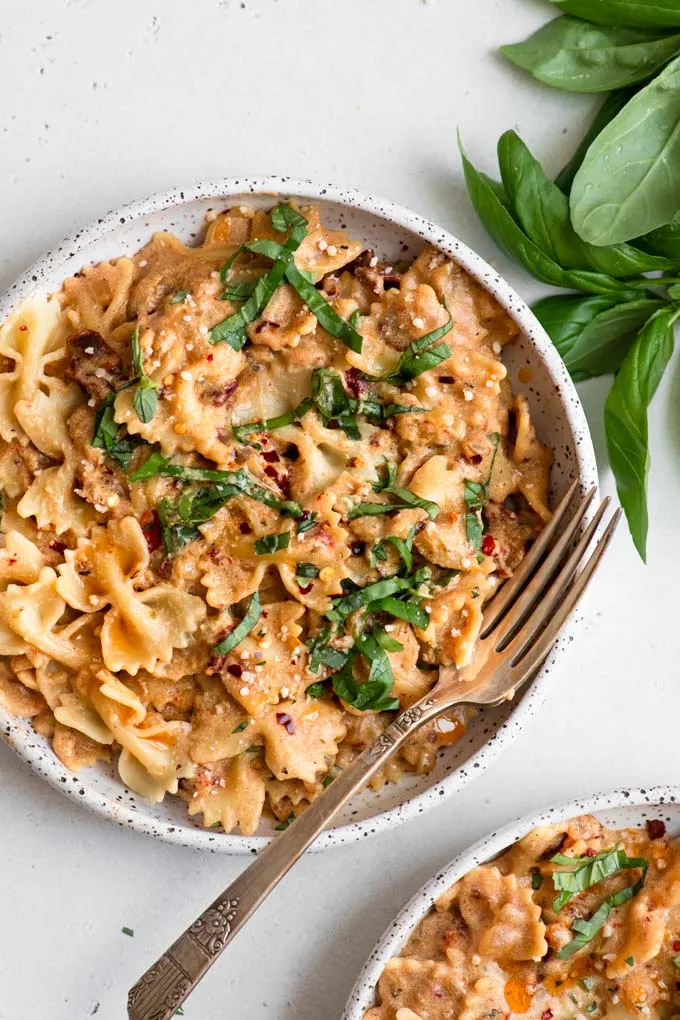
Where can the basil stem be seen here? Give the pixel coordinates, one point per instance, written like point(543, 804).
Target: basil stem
point(242, 629)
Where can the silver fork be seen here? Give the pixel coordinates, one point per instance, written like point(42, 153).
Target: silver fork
point(521, 623)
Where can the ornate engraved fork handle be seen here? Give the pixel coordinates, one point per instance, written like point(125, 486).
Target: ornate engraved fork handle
point(165, 986)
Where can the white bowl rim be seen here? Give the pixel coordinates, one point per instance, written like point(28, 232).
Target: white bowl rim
point(584, 464)
point(394, 937)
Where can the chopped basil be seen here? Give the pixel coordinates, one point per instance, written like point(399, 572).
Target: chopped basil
point(241, 432)
point(584, 872)
point(179, 297)
point(405, 500)
point(179, 521)
point(315, 690)
point(387, 642)
point(241, 727)
point(272, 543)
point(389, 470)
point(536, 878)
point(145, 399)
point(409, 610)
point(306, 570)
point(322, 654)
point(289, 821)
point(476, 496)
point(354, 319)
point(112, 438)
point(588, 929)
point(232, 330)
point(630, 962)
point(327, 780)
point(284, 216)
point(239, 291)
point(374, 694)
point(307, 521)
point(242, 629)
point(420, 356)
point(333, 403)
point(676, 961)
point(326, 315)
point(343, 605)
point(231, 482)
point(128, 931)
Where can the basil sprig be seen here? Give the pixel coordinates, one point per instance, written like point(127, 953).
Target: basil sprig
point(242, 629)
point(404, 500)
point(231, 482)
point(145, 399)
point(111, 437)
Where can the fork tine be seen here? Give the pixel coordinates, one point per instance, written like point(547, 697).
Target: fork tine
point(517, 613)
point(506, 594)
point(529, 653)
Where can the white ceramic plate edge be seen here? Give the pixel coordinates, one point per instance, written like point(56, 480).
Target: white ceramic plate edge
point(585, 467)
point(396, 935)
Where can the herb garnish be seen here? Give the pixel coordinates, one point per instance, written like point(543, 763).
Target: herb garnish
point(374, 694)
point(403, 546)
point(420, 356)
point(248, 623)
point(289, 821)
point(584, 873)
point(316, 690)
point(241, 727)
point(128, 931)
point(179, 521)
point(111, 437)
point(231, 482)
point(272, 543)
point(476, 496)
point(405, 500)
point(145, 399)
point(179, 297)
point(306, 570)
point(241, 432)
point(322, 653)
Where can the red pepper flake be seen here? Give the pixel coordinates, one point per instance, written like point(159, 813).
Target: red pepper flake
point(304, 590)
point(655, 828)
point(355, 383)
point(488, 545)
point(57, 546)
point(271, 473)
point(234, 669)
point(547, 1014)
point(676, 946)
point(271, 456)
point(23, 328)
point(447, 379)
point(476, 458)
point(438, 992)
point(244, 528)
point(285, 720)
point(590, 852)
point(151, 526)
point(210, 357)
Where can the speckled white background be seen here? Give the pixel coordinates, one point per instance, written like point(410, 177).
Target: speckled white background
point(101, 103)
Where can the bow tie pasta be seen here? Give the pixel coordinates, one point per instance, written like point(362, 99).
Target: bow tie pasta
point(254, 493)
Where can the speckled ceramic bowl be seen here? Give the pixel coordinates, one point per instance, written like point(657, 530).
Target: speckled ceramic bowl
point(622, 808)
point(396, 234)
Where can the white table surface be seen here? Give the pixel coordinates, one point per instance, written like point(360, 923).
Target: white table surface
point(105, 102)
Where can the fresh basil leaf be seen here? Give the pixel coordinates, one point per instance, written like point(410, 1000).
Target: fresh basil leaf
point(282, 826)
point(322, 653)
point(354, 319)
point(408, 610)
point(586, 930)
point(404, 501)
point(536, 879)
point(391, 410)
point(343, 605)
point(625, 418)
point(592, 335)
point(499, 223)
point(145, 400)
point(614, 103)
point(242, 629)
point(241, 432)
point(542, 211)
point(326, 315)
point(332, 401)
point(664, 241)
point(306, 570)
point(577, 56)
point(628, 184)
point(583, 872)
point(306, 521)
point(240, 727)
point(403, 546)
point(231, 482)
point(674, 292)
point(315, 690)
point(387, 642)
point(137, 359)
point(633, 13)
point(232, 330)
point(272, 543)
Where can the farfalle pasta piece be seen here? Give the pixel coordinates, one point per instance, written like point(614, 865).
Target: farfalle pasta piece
point(32, 612)
point(534, 461)
point(504, 920)
point(301, 738)
point(20, 559)
point(230, 794)
point(15, 697)
point(97, 298)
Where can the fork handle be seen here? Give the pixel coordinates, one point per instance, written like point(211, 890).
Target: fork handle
point(165, 986)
